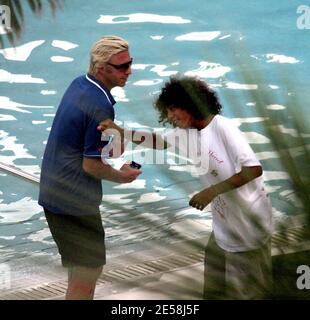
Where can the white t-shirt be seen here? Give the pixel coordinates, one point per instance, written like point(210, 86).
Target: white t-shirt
point(241, 217)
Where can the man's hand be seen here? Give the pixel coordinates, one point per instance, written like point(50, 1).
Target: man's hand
point(103, 171)
point(128, 173)
point(203, 198)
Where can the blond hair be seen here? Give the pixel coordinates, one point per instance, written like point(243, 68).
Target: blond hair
point(103, 50)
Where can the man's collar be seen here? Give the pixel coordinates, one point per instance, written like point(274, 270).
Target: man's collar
point(95, 81)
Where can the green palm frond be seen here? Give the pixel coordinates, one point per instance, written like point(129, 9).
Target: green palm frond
point(17, 15)
point(297, 168)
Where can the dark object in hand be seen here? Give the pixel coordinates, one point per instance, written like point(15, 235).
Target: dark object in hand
point(135, 165)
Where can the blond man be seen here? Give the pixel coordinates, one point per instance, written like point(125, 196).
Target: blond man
point(73, 166)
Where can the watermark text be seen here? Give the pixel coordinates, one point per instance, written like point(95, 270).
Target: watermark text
point(5, 19)
point(169, 147)
point(303, 21)
point(303, 281)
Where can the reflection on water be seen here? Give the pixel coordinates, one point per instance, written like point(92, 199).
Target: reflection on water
point(21, 53)
point(141, 18)
point(165, 40)
point(6, 76)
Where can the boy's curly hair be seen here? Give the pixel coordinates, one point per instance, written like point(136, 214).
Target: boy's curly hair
point(190, 94)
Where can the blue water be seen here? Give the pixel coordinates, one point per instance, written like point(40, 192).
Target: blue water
point(256, 36)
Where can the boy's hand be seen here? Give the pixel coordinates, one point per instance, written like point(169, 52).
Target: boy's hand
point(108, 124)
point(203, 198)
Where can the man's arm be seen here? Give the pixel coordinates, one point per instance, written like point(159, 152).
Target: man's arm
point(99, 170)
point(149, 139)
point(203, 198)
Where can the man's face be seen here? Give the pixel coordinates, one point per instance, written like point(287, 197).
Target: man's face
point(180, 118)
point(117, 70)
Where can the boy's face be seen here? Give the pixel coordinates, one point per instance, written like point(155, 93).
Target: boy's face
point(180, 118)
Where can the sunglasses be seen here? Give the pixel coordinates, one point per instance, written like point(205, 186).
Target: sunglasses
point(121, 67)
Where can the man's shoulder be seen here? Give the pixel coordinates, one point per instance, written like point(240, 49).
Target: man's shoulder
point(76, 87)
point(83, 91)
point(87, 98)
point(78, 83)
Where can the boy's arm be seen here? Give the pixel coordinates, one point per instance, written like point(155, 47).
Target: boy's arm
point(149, 139)
point(203, 198)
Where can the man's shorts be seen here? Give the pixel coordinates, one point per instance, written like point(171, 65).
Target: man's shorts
point(80, 239)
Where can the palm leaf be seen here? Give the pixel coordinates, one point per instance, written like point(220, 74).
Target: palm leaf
point(17, 15)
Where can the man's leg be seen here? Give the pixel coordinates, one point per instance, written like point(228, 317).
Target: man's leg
point(214, 273)
point(82, 282)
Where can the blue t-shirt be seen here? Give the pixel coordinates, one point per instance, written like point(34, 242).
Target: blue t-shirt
point(65, 187)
